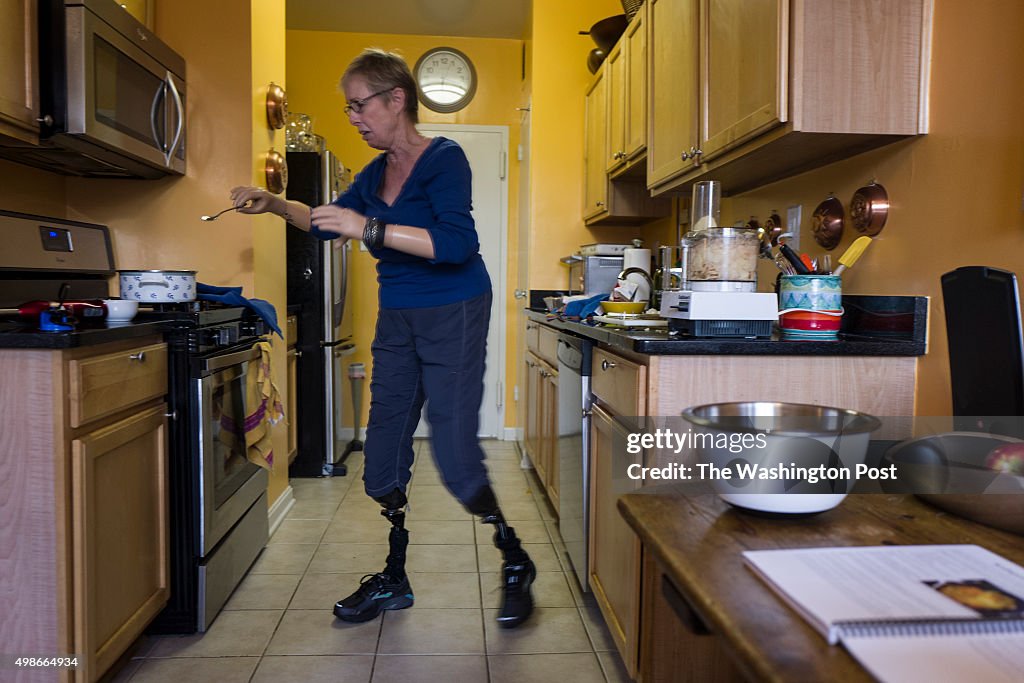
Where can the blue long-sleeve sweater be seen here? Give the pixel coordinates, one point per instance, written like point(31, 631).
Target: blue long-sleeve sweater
point(436, 196)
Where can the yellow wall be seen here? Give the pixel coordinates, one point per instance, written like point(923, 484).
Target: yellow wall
point(559, 78)
point(955, 193)
point(268, 234)
point(155, 223)
point(316, 60)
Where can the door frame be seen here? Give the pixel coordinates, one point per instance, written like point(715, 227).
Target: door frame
point(499, 280)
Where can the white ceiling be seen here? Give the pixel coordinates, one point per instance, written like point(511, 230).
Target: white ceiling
point(461, 18)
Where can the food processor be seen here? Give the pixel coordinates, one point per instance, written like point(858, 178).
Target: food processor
point(717, 294)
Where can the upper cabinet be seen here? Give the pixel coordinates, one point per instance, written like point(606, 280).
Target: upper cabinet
point(615, 137)
point(751, 91)
point(19, 94)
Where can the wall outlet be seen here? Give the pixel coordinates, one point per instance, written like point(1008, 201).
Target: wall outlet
point(793, 218)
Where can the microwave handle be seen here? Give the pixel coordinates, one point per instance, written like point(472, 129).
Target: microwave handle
point(169, 154)
point(154, 108)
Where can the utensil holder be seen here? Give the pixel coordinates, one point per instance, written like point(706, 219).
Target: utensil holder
point(810, 306)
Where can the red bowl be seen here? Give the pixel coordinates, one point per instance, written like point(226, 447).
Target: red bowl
point(810, 320)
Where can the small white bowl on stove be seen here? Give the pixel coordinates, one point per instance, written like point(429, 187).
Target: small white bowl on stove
point(121, 310)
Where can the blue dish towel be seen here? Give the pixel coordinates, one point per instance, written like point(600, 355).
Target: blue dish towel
point(233, 296)
point(583, 308)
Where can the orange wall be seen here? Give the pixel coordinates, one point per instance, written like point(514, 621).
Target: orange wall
point(316, 60)
point(956, 192)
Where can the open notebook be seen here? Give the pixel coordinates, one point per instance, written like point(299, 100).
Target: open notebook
point(909, 613)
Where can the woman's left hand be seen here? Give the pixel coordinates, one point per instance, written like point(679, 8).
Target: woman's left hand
point(333, 218)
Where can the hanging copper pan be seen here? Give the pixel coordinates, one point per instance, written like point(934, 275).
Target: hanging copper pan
point(827, 223)
point(869, 209)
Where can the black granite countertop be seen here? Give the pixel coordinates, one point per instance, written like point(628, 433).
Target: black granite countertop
point(15, 336)
point(856, 340)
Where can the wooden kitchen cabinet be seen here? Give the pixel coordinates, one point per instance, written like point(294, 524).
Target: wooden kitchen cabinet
point(291, 416)
point(614, 548)
point(119, 526)
point(540, 424)
point(87, 485)
point(627, 101)
point(614, 145)
point(619, 388)
point(19, 76)
point(747, 91)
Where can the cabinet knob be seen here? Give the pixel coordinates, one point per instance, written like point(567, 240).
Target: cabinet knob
point(173, 415)
point(46, 120)
point(140, 356)
point(685, 156)
point(607, 364)
point(695, 152)
point(520, 294)
point(599, 203)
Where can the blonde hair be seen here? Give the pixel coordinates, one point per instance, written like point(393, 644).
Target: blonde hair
point(385, 70)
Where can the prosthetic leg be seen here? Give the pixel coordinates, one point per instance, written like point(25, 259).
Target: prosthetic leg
point(518, 570)
point(390, 588)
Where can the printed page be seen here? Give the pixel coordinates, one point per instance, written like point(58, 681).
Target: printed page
point(873, 583)
point(941, 659)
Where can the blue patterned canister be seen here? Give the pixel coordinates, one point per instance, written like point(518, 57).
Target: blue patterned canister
point(811, 292)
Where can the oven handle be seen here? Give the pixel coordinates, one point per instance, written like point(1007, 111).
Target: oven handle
point(220, 362)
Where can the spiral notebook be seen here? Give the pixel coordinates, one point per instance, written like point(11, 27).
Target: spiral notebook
point(908, 613)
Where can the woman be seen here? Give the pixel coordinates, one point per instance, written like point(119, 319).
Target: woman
point(411, 207)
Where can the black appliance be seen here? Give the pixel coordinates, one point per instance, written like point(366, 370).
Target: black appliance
point(219, 519)
point(112, 95)
point(986, 349)
point(318, 277)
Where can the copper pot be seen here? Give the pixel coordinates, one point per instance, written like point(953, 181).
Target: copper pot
point(277, 106)
point(827, 223)
point(869, 209)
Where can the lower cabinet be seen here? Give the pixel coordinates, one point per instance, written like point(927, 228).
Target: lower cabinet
point(614, 547)
point(540, 431)
point(85, 501)
point(677, 646)
point(119, 531)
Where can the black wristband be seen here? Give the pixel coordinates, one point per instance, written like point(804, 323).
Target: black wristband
point(373, 233)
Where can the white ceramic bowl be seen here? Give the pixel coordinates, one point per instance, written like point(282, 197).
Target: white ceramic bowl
point(121, 310)
point(781, 438)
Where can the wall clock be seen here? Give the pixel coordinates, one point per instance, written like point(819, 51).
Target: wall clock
point(445, 79)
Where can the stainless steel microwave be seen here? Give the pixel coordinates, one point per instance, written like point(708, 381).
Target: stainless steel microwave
point(112, 94)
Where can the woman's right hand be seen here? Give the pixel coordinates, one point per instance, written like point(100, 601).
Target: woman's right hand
point(258, 200)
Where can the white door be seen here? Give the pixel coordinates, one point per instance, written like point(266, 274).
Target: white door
point(486, 147)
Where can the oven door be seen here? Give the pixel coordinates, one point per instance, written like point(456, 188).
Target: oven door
point(228, 483)
point(120, 97)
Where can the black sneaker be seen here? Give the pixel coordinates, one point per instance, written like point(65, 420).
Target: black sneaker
point(376, 592)
point(516, 602)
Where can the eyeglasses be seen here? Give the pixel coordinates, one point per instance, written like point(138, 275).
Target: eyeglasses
point(357, 105)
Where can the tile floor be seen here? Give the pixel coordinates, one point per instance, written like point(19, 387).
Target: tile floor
point(278, 625)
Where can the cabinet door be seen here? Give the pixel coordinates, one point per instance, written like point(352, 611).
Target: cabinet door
point(615, 74)
point(635, 123)
point(119, 530)
point(672, 88)
point(549, 391)
point(19, 95)
point(531, 425)
point(614, 547)
point(744, 53)
point(595, 188)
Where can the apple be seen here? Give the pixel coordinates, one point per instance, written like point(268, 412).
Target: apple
point(1008, 459)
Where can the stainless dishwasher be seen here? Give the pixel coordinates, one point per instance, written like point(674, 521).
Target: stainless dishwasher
point(574, 356)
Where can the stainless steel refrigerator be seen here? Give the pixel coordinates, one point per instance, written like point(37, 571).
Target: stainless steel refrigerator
point(318, 286)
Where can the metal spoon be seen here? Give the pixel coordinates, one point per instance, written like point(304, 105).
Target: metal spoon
point(230, 208)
